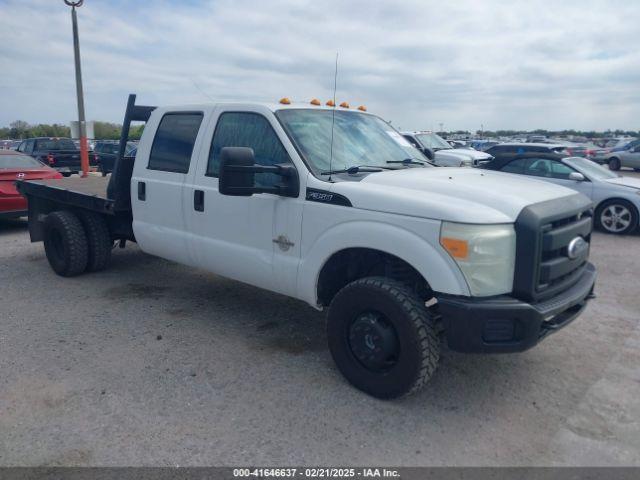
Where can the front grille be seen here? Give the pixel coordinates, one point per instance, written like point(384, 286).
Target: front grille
point(544, 232)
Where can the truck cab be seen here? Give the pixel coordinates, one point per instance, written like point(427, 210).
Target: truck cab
point(332, 206)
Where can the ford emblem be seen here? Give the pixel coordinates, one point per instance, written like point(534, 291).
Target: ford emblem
point(577, 247)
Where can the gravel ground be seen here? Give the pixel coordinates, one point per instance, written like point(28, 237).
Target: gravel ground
point(152, 363)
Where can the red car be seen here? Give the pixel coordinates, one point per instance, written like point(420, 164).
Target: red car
point(18, 166)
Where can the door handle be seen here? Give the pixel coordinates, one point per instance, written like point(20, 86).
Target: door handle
point(198, 200)
point(142, 191)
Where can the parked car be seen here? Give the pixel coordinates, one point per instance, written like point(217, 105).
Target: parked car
point(59, 153)
point(16, 166)
point(251, 192)
point(627, 156)
point(616, 198)
point(519, 148)
point(444, 155)
point(106, 152)
point(603, 154)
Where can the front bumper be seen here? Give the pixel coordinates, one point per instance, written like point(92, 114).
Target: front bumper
point(505, 324)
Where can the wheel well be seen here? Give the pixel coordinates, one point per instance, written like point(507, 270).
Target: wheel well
point(351, 264)
point(615, 199)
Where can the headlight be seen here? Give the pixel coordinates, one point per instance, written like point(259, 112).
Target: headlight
point(486, 255)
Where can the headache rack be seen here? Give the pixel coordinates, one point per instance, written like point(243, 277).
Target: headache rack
point(543, 234)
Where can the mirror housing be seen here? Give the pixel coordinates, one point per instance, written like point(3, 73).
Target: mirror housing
point(238, 170)
point(577, 177)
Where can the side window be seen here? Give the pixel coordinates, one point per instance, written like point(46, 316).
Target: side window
point(173, 144)
point(515, 166)
point(21, 147)
point(560, 170)
point(538, 167)
point(243, 129)
point(411, 140)
point(544, 167)
point(28, 146)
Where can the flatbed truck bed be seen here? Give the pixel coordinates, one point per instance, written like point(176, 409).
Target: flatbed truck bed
point(89, 192)
point(107, 196)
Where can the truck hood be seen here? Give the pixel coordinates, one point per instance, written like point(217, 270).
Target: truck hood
point(463, 195)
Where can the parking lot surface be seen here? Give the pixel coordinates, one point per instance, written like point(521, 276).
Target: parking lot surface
point(152, 363)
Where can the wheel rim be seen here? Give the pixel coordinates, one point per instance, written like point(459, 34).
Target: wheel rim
point(373, 341)
point(615, 218)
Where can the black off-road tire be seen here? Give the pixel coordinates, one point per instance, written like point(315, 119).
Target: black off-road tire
point(416, 333)
point(65, 243)
point(614, 164)
point(98, 240)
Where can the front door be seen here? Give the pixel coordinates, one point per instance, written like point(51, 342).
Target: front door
point(557, 172)
point(253, 239)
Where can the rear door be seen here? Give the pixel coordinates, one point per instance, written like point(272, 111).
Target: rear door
point(160, 172)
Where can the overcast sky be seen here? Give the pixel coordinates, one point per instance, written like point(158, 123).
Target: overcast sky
point(505, 64)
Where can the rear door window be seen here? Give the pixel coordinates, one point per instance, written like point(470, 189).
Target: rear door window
point(173, 144)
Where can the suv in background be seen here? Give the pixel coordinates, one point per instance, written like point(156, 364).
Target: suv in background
point(106, 152)
point(444, 155)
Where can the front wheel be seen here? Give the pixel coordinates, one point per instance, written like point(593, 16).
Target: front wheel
point(382, 337)
point(614, 164)
point(616, 216)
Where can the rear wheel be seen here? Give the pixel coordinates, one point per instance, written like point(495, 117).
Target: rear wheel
point(382, 337)
point(614, 164)
point(65, 243)
point(66, 174)
point(98, 240)
point(616, 216)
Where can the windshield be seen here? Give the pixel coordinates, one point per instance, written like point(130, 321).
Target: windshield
point(590, 169)
point(18, 161)
point(433, 141)
point(358, 139)
point(56, 144)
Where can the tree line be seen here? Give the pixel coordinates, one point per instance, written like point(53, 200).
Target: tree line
point(20, 129)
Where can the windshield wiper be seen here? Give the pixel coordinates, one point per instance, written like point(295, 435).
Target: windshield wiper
point(408, 161)
point(412, 161)
point(353, 170)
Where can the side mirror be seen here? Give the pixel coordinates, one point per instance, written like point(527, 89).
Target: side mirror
point(428, 153)
point(238, 170)
point(233, 180)
point(577, 177)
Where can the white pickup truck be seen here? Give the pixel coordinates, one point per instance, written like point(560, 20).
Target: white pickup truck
point(330, 206)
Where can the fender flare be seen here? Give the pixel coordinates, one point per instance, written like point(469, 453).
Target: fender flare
point(437, 268)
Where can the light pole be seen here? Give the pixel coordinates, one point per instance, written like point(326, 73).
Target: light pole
point(84, 148)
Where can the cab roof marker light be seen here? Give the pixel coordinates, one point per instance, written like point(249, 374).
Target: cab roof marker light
point(344, 105)
point(285, 101)
point(315, 101)
point(330, 103)
point(362, 108)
